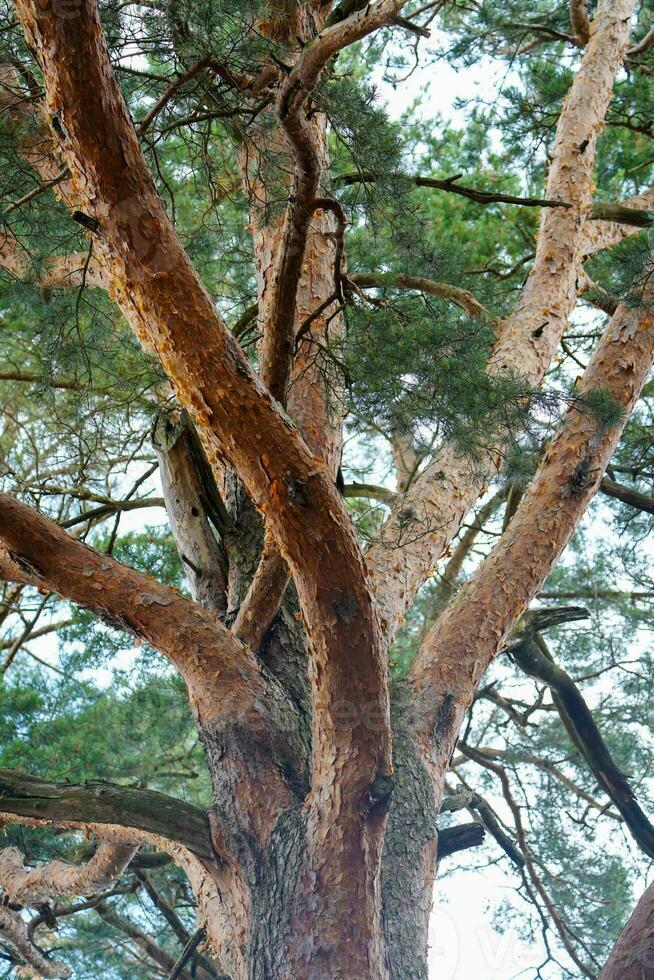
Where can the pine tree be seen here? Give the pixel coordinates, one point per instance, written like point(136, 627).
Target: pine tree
point(233, 290)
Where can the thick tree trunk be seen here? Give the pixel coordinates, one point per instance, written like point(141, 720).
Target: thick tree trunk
point(284, 898)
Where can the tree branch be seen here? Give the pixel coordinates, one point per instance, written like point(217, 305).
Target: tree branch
point(444, 290)
point(22, 795)
point(188, 505)
point(580, 21)
point(382, 494)
point(14, 930)
point(641, 501)
point(277, 345)
point(156, 953)
point(264, 597)
point(457, 651)
point(171, 312)
point(219, 666)
point(532, 656)
point(528, 339)
point(32, 887)
point(452, 186)
point(460, 838)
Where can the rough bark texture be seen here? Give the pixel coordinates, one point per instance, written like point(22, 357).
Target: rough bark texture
point(633, 954)
point(317, 856)
point(30, 887)
point(171, 312)
point(188, 503)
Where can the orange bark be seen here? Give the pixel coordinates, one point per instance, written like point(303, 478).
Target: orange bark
point(528, 339)
point(170, 311)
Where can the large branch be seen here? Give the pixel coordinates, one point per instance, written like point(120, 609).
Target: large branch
point(194, 642)
point(632, 956)
point(33, 886)
point(438, 500)
point(106, 804)
point(280, 307)
point(457, 651)
point(172, 314)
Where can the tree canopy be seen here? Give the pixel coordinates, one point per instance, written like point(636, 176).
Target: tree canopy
point(433, 221)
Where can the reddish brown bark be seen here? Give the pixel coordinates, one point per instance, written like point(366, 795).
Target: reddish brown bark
point(171, 312)
point(632, 957)
point(295, 888)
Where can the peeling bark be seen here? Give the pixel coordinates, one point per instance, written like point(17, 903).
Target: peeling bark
point(172, 314)
point(33, 886)
point(528, 339)
point(457, 651)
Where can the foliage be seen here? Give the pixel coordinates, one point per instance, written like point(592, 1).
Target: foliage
point(90, 706)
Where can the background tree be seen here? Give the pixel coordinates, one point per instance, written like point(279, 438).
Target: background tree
point(372, 373)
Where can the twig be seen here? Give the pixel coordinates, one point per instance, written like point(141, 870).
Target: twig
point(188, 952)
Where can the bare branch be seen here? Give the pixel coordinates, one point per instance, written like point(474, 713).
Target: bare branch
point(443, 290)
point(452, 186)
point(460, 838)
point(122, 597)
point(103, 804)
point(643, 45)
point(354, 490)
